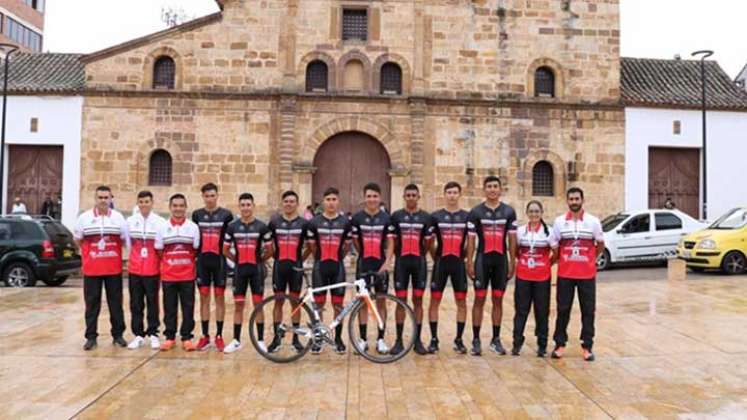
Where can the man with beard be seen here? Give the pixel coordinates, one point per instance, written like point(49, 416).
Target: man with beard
point(578, 240)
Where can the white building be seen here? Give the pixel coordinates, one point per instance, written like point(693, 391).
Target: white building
point(42, 153)
point(663, 139)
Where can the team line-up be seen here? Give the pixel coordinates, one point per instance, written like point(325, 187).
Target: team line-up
point(485, 245)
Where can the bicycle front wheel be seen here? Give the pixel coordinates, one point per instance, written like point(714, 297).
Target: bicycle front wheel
point(390, 343)
point(292, 339)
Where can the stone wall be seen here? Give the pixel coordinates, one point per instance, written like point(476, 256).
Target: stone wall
point(240, 116)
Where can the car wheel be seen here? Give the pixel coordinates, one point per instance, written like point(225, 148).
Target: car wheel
point(734, 263)
point(57, 281)
point(603, 261)
point(19, 274)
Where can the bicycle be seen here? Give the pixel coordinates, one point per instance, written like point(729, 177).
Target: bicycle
point(312, 331)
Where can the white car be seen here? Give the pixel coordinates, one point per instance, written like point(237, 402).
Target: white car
point(644, 236)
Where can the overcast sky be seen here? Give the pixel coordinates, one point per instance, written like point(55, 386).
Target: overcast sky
point(650, 28)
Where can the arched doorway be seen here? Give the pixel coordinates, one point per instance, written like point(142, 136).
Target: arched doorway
point(348, 161)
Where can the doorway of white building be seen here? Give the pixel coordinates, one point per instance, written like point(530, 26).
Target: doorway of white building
point(674, 173)
point(34, 173)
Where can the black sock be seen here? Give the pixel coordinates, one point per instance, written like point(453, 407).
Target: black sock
point(296, 325)
point(276, 328)
point(434, 329)
point(206, 328)
point(496, 331)
point(237, 332)
point(219, 327)
point(381, 334)
point(338, 333)
point(460, 329)
point(400, 329)
point(260, 331)
point(363, 329)
point(476, 332)
point(418, 327)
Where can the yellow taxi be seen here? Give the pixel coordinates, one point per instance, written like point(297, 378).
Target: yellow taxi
point(722, 245)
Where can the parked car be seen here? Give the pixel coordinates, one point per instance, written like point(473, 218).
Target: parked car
point(36, 248)
point(644, 236)
point(723, 245)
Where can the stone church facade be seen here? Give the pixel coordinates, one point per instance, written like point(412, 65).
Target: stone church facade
point(268, 95)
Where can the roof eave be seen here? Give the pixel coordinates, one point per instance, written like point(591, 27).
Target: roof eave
point(137, 42)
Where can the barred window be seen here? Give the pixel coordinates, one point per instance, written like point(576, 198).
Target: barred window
point(543, 179)
point(160, 168)
point(316, 76)
point(354, 24)
point(544, 82)
point(391, 79)
point(164, 73)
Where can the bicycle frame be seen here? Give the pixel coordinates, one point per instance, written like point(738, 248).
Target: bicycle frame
point(361, 295)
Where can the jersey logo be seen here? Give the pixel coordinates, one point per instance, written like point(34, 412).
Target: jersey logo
point(205, 217)
point(241, 228)
point(447, 217)
point(368, 220)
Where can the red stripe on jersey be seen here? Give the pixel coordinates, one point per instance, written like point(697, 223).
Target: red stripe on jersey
point(578, 259)
point(288, 247)
point(148, 265)
point(452, 241)
point(534, 266)
point(210, 239)
point(178, 262)
point(102, 261)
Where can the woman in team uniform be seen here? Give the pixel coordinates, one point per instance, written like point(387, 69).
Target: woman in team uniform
point(533, 261)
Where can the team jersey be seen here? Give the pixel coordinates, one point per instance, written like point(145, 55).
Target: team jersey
point(492, 226)
point(144, 260)
point(370, 233)
point(178, 242)
point(451, 231)
point(102, 237)
point(576, 241)
point(330, 236)
point(534, 253)
point(289, 237)
point(212, 229)
point(248, 239)
point(411, 231)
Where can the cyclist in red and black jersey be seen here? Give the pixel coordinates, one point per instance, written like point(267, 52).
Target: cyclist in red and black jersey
point(370, 230)
point(211, 265)
point(289, 232)
point(494, 223)
point(410, 228)
point(329, 237)
point(251, 241)
point(451, 231)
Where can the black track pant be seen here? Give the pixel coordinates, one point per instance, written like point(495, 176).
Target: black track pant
point(587, 292)
point(92, 287)
point(526, 295)
point(144, 293)
point(175, 293)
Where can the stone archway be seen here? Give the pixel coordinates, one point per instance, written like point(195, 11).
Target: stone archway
point(348, 161)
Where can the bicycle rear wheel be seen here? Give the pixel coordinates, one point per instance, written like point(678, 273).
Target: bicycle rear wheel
point(398, 332)
point(292, 316)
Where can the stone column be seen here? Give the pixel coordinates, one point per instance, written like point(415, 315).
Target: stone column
point(287, 145)
point(303, 182)
point(398, 177)
point(417, 137)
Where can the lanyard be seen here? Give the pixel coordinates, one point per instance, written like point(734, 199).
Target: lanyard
point(532, 240)
point(576, 231)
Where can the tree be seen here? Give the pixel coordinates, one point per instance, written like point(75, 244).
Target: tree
point(172, 16)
